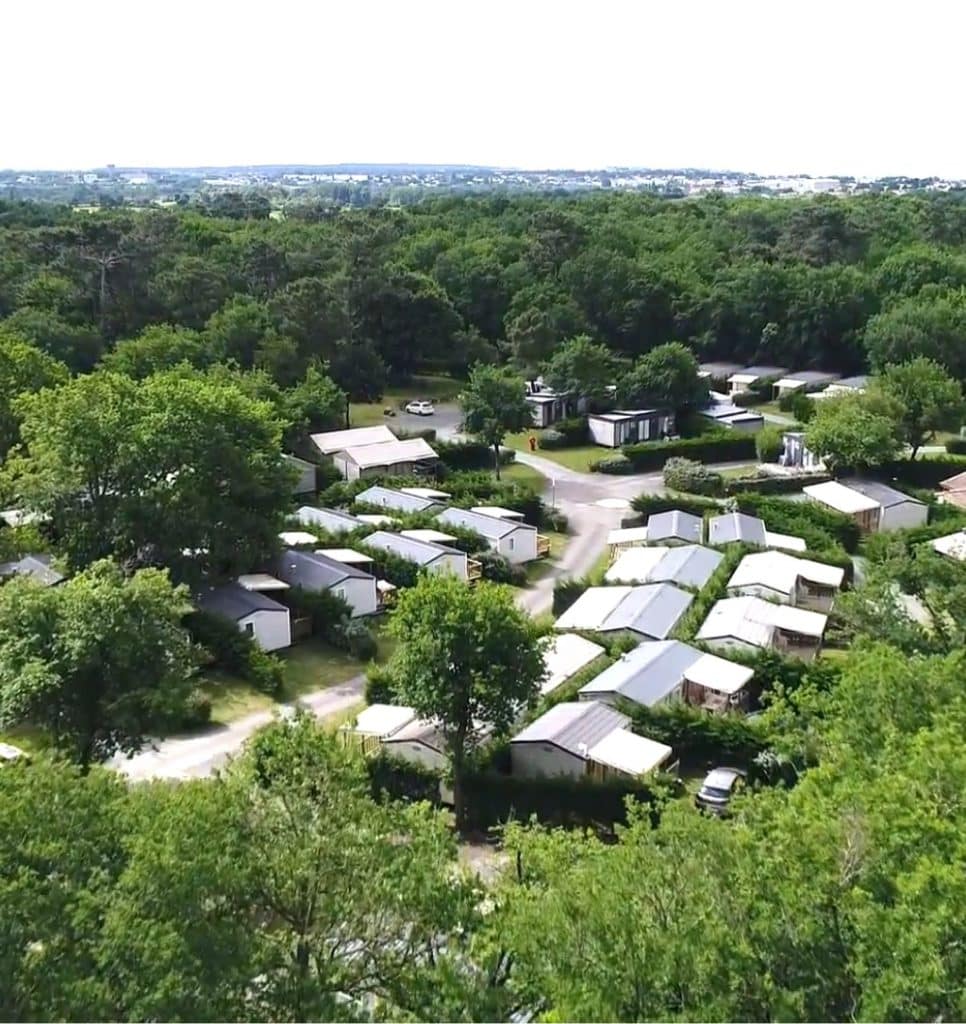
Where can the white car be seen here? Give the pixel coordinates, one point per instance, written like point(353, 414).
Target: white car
point(420, 408)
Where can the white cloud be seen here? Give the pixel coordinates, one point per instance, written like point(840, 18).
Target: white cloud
point(846, 87)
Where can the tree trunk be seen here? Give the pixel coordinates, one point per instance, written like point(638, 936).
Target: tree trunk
point(915, 450)
point(459, 760)
point(496, 459)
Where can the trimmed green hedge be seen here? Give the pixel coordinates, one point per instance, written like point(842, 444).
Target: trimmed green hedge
point(730, 447)
point(652, 504)
point(463, 455)
point(820, 527)
point(923, 472)
point(773, 484)
point(956, 446)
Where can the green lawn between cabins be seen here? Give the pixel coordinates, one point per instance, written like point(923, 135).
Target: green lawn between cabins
point(577, 459)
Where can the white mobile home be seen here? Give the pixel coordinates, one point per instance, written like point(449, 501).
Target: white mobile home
point(517, 542)
point(649, 612)
point(433, 558)
point(577, 739)
point(254, 613)
point(747, 377)
point(687, 565)
point(328, 519)
point(390, 458)
point(781, 577)
point(399, 501)
point(565, 656)
point(630, 426)
point(338, 440)
point(875, 507)
point(665, 671)
point(750, 623)
point(805, 381)
point(315, 572)
point(674, 527)
point(305, 483)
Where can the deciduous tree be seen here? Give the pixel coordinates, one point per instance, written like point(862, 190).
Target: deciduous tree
point(851, 432)
point(926, 397)
point(581, 367)
point(493, 406)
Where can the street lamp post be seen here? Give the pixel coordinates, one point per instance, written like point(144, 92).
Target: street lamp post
point(553, 493)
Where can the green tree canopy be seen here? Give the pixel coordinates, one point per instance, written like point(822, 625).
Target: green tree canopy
point(97, 661)
point(494, 405)
point(852, 432)
point(23, 368)
point(466, 658)
point(581, 367)
point(665, 377)
point(157, 348)
point(927, 399)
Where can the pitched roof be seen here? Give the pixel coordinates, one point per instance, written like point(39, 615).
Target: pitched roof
point(429, 536)
point(719, 370)
point(784, 541)
point(330, 519)
point(755, 620)
point(413, 550)
point(345, 555)
point(400, 501)
point(498, 512)
point(883, 494)
point(491, 527)
point(312, 570)
point(339, 440)
point(623, 415)
point(675, 525)
point(808, 377)
point(565, 656)
point(954, 483)
point(652, 610)
point(736, 526)
point(781, 572)
point(390, 453)
point(652, 671)
point(293, 538)
point(233, 601)
point(629, 753)
point(689, 565)
point(953, 545)
point(752, 373)
point(382, 720)
point(37, 567)
point(627, 535)
point(841, 498)
point(573, 726)
point(426, 492)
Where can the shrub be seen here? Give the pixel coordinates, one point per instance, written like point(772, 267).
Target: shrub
point(552, 438)
point(426, 433)
point(765, 484)
point(554, 519)
point(956, 446)
point(359, 640)
point(566, 592)
point(819, 526)
point(265, 672)
point(224, 645)
point(401, 780)
point(926, 472)
point(328, 613)
point(462, 455)
point(380, 688)
point(616, 465)
point(747, 399)
point(196, 712)
point(724, 447)
point(769, 444)
point(651, 504)
point(499, 570)
point(692, 477)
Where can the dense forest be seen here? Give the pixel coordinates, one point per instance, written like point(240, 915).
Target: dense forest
point(840, 284)
point(154, 365)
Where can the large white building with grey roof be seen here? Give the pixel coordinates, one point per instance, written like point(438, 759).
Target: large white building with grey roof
point(517, 542)
point(668, 670)
point(649, 612)
point(688, 565)
point(315, 572)
point(578, 738)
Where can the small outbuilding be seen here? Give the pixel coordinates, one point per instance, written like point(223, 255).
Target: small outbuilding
point(750, 623)
point(952, 490)
point(375, 724)
point(565, 656)
point(305, 482)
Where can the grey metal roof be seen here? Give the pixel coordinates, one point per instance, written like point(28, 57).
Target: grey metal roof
point(329, 519)
point(573, 726)
point(674, 525)
point(37, 567)
point(690, 565)
point(859, 381)
point(314, 571)
point(760, 371)
point(721, 371)
point(730, 411)
point(886, 496)
point(387, 497)
point(647, 674)
point(623, 415)
point(418, 551)
point(652, 610)
point(813, 377)
point(233, 601)
point(736, 526)
point(491, 527)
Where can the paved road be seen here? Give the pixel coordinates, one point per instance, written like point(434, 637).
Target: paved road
point(194, 757)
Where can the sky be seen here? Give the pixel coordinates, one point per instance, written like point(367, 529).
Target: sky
point(786, 86)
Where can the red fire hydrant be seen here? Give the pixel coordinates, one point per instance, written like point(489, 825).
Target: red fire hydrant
point(533, 443)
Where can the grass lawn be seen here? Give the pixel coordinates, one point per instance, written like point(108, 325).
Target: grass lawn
point(524, 475)
point(369, 414)
point(309, 665)
point(578, 459)
point(31, 740)
point(735, 472)
point(558, 541)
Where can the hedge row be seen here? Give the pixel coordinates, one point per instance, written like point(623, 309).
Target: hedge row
point(493, 799)
point(730, 447)
point(569, 433)
point(956, 446)
point(880, 547)
point(773, 484)
point(652, 504)
point(923, 472)
point(463, 455)
point(820, 527)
